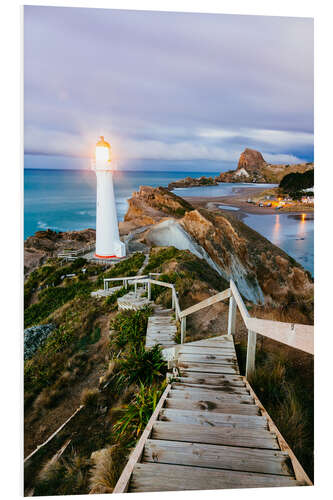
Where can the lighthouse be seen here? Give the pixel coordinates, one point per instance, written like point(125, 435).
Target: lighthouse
point(108, 244)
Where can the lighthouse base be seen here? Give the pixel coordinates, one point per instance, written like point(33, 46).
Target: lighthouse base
point(118, 251)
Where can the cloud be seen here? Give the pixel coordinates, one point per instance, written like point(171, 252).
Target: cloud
point(167, 85)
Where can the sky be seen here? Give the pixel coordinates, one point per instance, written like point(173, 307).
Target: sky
point(167, 86)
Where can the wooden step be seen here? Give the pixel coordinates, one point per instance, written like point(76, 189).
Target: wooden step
point(212, 406)
point(214, 379)
point(213, 341)
point(217, 457)
point(208, 358)
point(182, 386)
point(212, 419)
point(163, 477)
point(207, 368)
point(249, 438)
point(193, 349)
point(199, 393)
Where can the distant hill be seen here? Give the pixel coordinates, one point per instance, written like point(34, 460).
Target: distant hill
point(251, 167)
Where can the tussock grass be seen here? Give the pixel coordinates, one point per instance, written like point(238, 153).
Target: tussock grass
point(90, 397)
point(284, 385)
point(66, 476)
point(130, 327)
point(108, 463)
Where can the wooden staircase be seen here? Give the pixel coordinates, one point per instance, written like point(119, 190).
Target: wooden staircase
point(161, 328)
point(209, 431)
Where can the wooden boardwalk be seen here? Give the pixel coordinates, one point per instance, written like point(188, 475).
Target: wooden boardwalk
point(209, 431)
point(161, 328)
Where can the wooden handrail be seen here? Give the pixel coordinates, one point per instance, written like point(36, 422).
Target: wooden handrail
point(161, 283)
point(294, 335)
point(239, 301)
point(205, 303)
point(106, 280)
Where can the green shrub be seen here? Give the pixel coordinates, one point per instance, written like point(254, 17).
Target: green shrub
point(137, 413)
point(130, 327)
point(140, 365)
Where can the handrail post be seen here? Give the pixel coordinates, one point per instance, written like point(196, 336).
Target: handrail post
point(135, 287)
point(149, 290)
point(251, 353)
point(173, 305)
point(232, 316)
point(182, 329)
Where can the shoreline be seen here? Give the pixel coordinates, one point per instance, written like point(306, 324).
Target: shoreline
point(238, 200)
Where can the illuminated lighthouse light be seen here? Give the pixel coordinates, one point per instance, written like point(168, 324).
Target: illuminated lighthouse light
point(108, 244)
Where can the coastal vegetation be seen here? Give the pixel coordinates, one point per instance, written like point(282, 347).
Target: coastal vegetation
point(129, 391)
point(283, 381)
point(96, 357)
point(295, 183)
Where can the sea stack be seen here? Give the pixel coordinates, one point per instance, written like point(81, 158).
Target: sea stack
point(251, 160)
point(108, 244)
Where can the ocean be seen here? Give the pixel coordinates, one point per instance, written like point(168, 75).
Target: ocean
point(65, 200)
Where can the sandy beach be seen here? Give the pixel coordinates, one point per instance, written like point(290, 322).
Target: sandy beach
point(239, 200)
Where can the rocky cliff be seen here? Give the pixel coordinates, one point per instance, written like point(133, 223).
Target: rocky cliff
point(261, 270)
point(48, 243)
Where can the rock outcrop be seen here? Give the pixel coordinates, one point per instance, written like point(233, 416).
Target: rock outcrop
point(251, 160)
point(48, 243)
point(193, 182)
point(150, 205)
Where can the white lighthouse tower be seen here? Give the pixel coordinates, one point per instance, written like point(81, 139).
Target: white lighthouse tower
point(108, 244)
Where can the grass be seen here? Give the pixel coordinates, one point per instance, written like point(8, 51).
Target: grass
point(157, 258)
point(107, 466)
point(66, 476)
point(53, 298)
point(90, 397)
point(64, 349)
point(130, 327)
point(128, 267)
point(140, 366)
point(284, 385)
point(135, 416)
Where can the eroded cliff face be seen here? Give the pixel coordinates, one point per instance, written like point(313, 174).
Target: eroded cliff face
point(226, 248)
point(262, 272)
